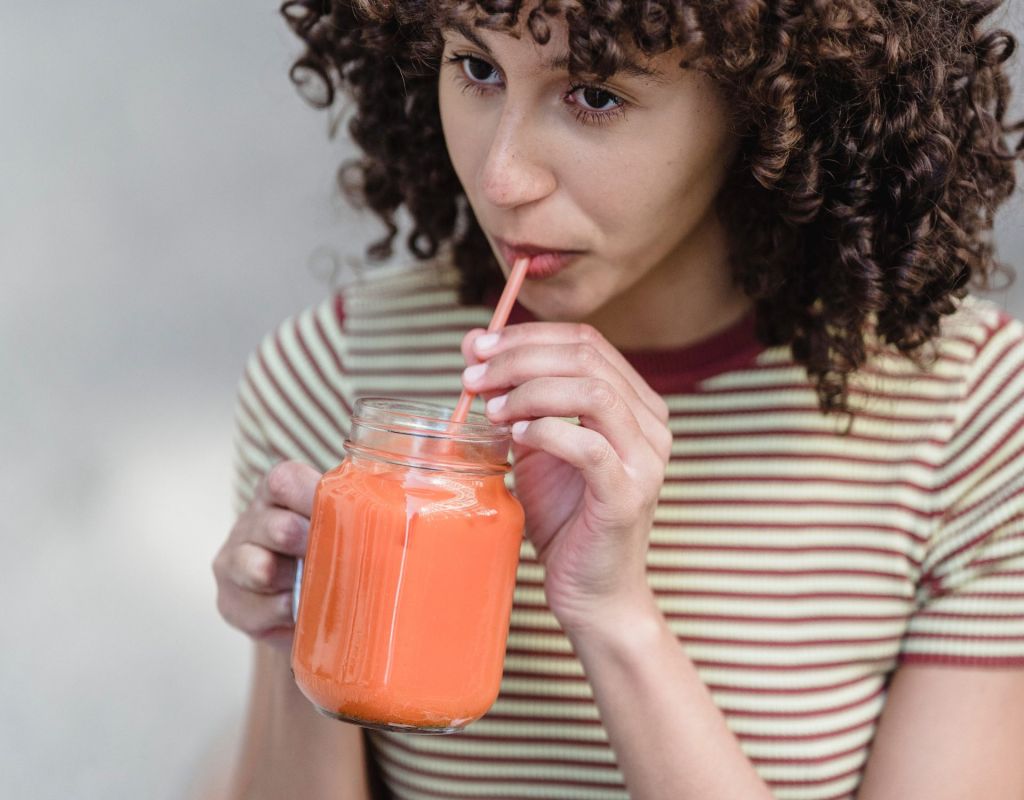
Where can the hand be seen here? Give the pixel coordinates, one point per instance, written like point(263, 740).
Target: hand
point(255, 568)
point(589, 490)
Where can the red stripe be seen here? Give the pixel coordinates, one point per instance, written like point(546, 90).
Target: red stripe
point(738, 688)
point(750, 713)
point(249, 439)
point(267, 447)
point(976, 539)
point(803, 410)
point(684, 616)
point(302, 385)
point(365, 372)
point(969, 637)
point(794, 596)
point(707, 663)
point(962, 660)
point(412, 349)
point(596, 723)
point(732, 711)
point(400, 743)
point(442, 395)
point(736, 642)
point(926, 612)
point(983, 563)
point(919, 376)
point(412, 330)
point(968, 471)
point(394, 781)
point(830, 458)
point(685, 547)
point(843, 796)
point(335, 355)
point(818, 781)
point(997, 491)
point(311, 429)
point(530, 780)
point(731, 391)
point(285, 430)
point(372, 310)
point(787, 480)
point(983, 405)
point(803, 433)
point(788, 573)
point(311, 360)
point(815, 501)
point(744, 525)
point(249, 470)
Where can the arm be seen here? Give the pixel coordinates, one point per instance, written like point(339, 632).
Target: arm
point(589, 492)
point(287, 749)
point(669, 738)
point(949, 732)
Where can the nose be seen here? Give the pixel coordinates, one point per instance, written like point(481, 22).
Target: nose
point(515, 173)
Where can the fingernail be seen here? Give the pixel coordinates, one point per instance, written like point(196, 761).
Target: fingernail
point(486, 342)
point(519, 428)
point(474, 373)
point(495, 404)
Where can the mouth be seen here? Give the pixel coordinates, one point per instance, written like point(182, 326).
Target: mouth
point(544, 261)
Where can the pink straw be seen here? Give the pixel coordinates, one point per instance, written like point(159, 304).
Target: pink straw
point(498, 320)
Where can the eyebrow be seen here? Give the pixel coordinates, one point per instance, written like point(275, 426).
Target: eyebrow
point(561, 62)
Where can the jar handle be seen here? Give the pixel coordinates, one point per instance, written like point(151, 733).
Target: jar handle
point(296, 590)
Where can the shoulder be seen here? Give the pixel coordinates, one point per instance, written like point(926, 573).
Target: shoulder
point(301, 381)
point(322, 335)
point(983, 346)
point(975, 343)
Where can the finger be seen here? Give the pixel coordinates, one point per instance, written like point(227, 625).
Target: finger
point(574, 333)
point(590, 453)
point(291, 485)
point(257, 569)
point(259, 616)
point(594, 401)
point(468, 353)
point(279, 530)
point(518, 365)
point(471, 359)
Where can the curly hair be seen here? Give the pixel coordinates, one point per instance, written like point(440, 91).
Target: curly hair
point(874, 147)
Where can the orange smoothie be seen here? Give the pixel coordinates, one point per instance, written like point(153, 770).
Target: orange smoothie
point(406, 594)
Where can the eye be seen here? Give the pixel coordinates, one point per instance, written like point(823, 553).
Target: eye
point(479, 71)
point(593, 98)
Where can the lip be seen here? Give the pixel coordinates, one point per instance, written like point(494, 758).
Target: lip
point(544, 261)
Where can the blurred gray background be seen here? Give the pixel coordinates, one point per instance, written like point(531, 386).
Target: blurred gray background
point(165, 198)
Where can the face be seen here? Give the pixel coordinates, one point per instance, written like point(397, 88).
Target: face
point(607, 185)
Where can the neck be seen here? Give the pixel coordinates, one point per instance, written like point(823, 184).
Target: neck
point(687, 297)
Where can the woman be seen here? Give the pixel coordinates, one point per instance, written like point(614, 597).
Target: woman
point(782, 554)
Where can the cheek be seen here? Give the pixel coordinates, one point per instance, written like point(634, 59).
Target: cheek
point(656, 192)
point(464, 136)
point(453, 126)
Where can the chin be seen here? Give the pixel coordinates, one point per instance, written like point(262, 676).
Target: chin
point(557, 304)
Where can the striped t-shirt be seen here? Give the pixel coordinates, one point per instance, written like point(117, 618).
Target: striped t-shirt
point(798, 563)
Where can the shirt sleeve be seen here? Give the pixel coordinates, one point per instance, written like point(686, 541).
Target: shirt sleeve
point(253, 454)
point(970, 601)
point(290, 402)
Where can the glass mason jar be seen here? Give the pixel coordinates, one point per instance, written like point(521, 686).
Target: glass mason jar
point(406, 589)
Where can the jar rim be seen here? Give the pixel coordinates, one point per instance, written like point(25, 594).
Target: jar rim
point(416, 416)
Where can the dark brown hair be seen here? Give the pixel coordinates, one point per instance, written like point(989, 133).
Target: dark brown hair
point(874, 150)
